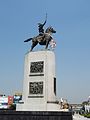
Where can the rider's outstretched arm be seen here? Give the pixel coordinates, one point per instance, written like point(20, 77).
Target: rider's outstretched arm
point(45, 20)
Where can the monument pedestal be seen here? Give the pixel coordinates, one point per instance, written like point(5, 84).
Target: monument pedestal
point(39, 85)
point(39, 90)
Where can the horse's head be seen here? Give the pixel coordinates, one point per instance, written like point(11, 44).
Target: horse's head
point(50, 30)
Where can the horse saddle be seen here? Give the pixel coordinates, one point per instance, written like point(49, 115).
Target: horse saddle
point(41, 38)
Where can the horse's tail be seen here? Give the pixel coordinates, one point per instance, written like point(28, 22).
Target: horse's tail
point(28, 40)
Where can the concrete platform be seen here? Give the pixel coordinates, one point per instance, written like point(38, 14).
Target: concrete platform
point(35, 115)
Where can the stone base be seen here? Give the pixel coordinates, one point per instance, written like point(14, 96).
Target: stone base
point(39, 84)
point(35, 115)
point(40, 107)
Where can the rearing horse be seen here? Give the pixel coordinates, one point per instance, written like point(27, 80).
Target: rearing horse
point(43, 39)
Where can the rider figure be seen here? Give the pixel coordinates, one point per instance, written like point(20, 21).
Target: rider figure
point(40, 28)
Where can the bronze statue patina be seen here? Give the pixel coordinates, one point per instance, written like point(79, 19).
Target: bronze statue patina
point(43, 38)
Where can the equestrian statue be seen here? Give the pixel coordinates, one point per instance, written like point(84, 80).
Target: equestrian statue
point(44, 37)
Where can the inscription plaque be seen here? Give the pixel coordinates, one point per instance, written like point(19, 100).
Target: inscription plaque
point(37, 67)
point(36, 88)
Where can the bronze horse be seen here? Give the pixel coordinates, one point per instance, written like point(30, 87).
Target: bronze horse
point(43, 39)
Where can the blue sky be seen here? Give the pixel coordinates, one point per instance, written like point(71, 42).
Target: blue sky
point(71, 19)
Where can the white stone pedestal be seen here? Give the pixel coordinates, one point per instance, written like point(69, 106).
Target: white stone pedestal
point(39, 85)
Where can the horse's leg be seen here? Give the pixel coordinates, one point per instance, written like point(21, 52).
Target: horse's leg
point(47, 42)
point(33, 45)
